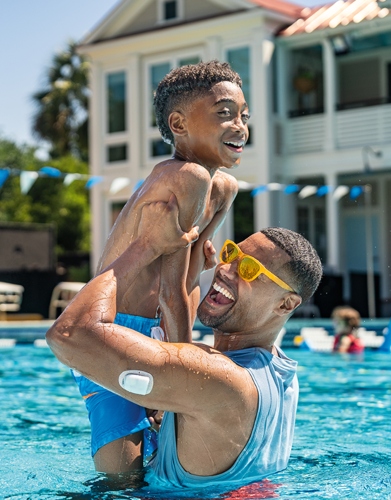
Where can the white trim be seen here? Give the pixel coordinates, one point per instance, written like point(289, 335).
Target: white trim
point(116, 20)
point(115, 138)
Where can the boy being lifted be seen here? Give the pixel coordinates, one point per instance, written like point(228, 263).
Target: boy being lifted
point(201, 110)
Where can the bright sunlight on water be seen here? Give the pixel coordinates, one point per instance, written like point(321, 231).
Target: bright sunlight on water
point(341, 450)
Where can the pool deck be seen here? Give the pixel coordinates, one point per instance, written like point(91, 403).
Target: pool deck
point(24, 332)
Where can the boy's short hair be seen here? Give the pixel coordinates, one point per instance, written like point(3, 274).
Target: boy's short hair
point(304, 268)
point(183, 84)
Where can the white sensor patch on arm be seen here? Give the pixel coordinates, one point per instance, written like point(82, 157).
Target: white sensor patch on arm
point(136, 382)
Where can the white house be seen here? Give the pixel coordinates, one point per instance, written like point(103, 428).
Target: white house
point(318, 82)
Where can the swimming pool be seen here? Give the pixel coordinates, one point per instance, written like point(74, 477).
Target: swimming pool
point(341, 450)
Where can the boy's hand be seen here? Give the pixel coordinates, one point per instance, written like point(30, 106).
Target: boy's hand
point(210, 255)
point(159, 227)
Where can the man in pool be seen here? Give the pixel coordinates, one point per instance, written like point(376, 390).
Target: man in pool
point(229, 410)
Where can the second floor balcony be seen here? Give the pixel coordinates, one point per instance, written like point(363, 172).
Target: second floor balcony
point(336, 92)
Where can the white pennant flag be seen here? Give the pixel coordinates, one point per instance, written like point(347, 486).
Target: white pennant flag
point(118, 184)
point(340, 192)
point(27, 179)
point(274, 186)
point(245, 186)
point(307, 191)
point(69, 178)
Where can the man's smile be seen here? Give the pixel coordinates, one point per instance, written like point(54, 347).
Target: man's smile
point(220, 295)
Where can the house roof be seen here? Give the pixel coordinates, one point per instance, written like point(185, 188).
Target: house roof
point(111, 26)
point(340, 13)
point(287, 8)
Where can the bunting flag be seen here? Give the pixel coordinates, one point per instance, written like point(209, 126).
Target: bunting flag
point(4, 174)
point(118, 184)
point(337, 192)
point(28, 177)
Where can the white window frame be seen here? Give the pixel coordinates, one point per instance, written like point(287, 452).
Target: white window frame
point(152, 133)
point(237, 46)
point(114, 138)
point(160, 12)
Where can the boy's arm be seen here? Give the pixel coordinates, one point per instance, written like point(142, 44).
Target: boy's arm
point(180, 272)
point(173, 296)
point(203, 252)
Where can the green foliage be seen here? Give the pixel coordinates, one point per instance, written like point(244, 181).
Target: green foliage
point(61, 117)
point(49, 200)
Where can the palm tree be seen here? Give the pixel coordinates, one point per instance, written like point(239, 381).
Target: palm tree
point(61, 117)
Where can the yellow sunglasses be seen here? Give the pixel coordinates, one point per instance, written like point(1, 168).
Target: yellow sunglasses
point(249, 268)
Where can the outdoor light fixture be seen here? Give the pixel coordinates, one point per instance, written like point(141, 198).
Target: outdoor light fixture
point(341, 44)
point(366, 151)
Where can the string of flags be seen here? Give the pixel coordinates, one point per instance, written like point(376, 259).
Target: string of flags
point(305, 191)
point(28, 177)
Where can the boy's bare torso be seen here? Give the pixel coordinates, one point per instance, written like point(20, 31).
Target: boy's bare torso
point(203, 201)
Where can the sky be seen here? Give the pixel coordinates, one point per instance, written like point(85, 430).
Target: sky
point(31, 32)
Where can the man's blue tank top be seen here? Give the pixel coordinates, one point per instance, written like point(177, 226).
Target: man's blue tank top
point(269, 445)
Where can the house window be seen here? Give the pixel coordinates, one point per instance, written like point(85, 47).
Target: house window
point(116, 208)
point(160, 148)
point(117, 153)
point(155, 73)
point(311, 223)
point(188, 60)
point(116, 102)
point(239, 60)
point(170, 10)
point(243, 215)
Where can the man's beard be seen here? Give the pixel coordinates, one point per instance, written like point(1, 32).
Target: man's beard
point(212, 321)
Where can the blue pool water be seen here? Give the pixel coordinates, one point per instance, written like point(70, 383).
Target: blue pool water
point(341, 450)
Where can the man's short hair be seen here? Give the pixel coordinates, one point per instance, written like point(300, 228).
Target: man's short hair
point(181, 85)
point(304, 267)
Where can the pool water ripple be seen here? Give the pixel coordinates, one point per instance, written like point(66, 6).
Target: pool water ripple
point(341, 450)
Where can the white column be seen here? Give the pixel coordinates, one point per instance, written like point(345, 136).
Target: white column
point(330, 96)
point(332, 227)
point(134, 111)
point(260, 101)
point(213, 48)
point(96, 153)
point(282, 93)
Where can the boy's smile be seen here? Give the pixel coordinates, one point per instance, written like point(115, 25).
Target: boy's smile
point(215, 127)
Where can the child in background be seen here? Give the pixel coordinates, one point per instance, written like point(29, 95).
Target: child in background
point(346, 323)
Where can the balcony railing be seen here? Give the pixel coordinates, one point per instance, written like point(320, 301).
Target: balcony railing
point(353, 128)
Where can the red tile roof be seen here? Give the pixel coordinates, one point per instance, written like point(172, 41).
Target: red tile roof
point(287, 8)
point(340, 13)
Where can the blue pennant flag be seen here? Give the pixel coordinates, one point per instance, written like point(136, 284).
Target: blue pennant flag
point(4, 174)
point(258, 190)
point(323, 190)
point(356, 191)
point(292, 188)
point(50, 171)
point(138, 184)
point(93, 180)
